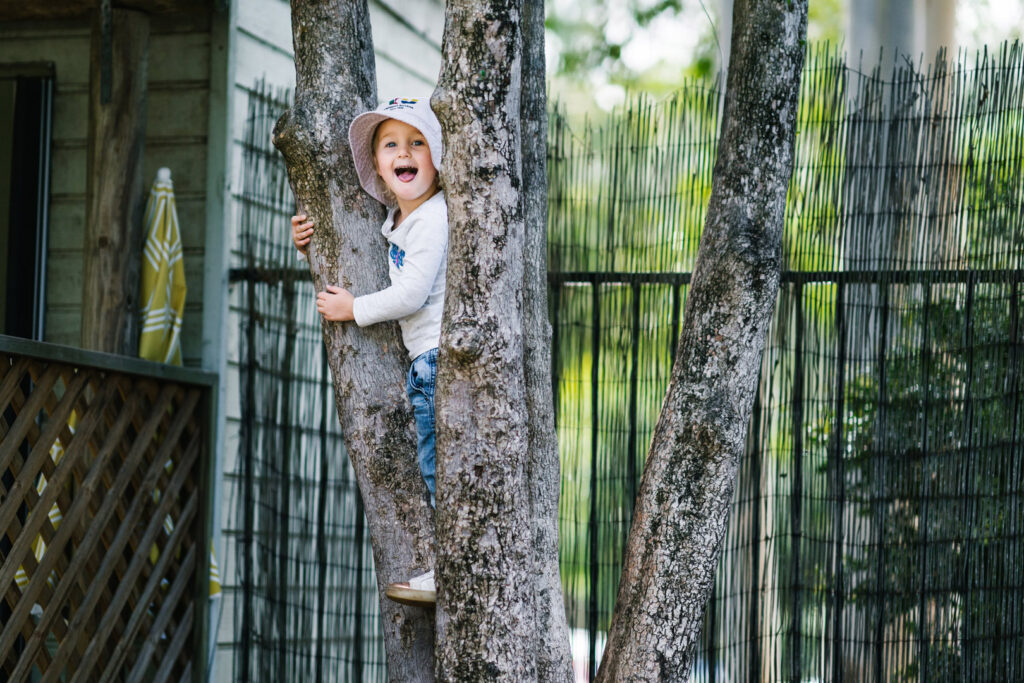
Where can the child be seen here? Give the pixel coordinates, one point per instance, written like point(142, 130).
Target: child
point(397, 150)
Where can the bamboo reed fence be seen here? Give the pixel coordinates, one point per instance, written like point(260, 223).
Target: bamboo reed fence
point(305, 596)
point(875, 530)
point(105, 505)
point(876, 525)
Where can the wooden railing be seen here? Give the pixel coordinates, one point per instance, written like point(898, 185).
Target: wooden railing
point(105, 499)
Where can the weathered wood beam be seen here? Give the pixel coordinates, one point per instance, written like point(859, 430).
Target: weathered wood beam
point(19, 10)
point(114, 194)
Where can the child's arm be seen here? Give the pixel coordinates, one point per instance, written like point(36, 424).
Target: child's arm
point(421, 261)
point(397, 301)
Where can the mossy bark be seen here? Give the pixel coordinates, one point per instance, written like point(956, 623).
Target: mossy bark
point(334, 82)
point(683, 505)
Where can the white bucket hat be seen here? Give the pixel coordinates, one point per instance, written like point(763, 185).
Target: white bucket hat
point(414, 111)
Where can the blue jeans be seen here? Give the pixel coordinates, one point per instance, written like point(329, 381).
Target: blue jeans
point(420, 387)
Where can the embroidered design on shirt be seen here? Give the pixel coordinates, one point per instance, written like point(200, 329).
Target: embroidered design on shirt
point(397, 256)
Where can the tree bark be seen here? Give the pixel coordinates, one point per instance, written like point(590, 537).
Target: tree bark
point(114, 191)
point(334, 82)
point(554, 661)
point(486, 555)
point(683, 505)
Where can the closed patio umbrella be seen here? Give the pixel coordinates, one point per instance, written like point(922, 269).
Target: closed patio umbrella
point(163, 293)
point(163, 276)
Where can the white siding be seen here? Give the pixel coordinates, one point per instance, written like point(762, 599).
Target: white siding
point(407, 42)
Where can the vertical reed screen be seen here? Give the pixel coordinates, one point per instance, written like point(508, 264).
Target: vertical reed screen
point(875, 529)
point(876, 522)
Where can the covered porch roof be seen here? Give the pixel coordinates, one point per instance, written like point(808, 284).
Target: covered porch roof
point(19, 10)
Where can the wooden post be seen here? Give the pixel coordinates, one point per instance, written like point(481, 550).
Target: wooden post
point(114, 191)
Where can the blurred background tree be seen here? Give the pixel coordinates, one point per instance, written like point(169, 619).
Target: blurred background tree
point(598, 50)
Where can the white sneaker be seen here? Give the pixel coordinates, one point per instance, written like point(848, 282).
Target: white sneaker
point(418, 591)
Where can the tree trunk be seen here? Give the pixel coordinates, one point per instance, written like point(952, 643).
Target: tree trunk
point(487, 583)
point(335, 82)
point(114, 192)
point(683, 506)
point(554, 661)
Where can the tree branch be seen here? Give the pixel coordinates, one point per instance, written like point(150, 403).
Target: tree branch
point(683, 504)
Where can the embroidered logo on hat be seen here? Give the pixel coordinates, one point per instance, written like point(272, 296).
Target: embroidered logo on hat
point(399, 101)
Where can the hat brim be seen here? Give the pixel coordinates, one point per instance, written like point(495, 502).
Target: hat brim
point(414, 112)
point(360, 138)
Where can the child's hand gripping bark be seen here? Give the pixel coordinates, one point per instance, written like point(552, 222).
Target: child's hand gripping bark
point(302, 232)
point(336, 303)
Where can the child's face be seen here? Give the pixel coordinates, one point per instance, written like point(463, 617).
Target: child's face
point(402, 158)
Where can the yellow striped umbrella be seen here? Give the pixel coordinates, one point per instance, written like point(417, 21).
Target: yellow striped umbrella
point(163, 276)
point(163, 291)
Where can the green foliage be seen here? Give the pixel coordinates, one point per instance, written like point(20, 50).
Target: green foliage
point(589, 44)
point(825, 21)
point(926, 466)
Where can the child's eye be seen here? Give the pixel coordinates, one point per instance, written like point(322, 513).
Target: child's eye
point(417, 142)
point(389, 144)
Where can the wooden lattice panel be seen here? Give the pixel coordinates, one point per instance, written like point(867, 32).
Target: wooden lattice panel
point(101, 509)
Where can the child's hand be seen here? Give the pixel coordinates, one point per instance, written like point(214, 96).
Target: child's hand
point(301, 232)
point(335, 303)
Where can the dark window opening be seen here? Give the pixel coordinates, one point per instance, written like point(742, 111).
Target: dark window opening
point(26, 97)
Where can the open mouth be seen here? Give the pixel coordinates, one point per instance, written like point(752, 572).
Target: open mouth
point(405, 173)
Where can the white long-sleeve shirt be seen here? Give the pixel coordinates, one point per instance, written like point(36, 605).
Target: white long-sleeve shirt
point(417, 259)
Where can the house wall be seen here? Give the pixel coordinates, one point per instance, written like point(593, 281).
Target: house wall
point(407, 39)
point(175, 137)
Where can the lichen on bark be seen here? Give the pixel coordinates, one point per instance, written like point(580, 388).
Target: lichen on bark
point(486, 562)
